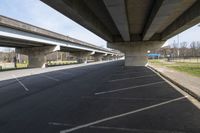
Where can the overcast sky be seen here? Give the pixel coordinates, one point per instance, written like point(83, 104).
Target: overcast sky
point(37, 13)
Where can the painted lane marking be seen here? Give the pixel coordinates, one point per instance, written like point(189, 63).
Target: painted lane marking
point(25, 88)
point(121, 115)
point(128, 88)
point(115, 80)
point(48, 77)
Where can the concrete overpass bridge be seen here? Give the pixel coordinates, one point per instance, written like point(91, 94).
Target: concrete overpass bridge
point(132, 26)
point(37, 43)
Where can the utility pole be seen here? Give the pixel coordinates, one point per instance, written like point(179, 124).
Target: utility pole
point(178, 40)
point(57, 56)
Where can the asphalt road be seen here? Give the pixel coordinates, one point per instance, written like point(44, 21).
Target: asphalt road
point(103, 98)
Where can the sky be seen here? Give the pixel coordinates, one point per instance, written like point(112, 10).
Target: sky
point(39, 14)
point(189, 35)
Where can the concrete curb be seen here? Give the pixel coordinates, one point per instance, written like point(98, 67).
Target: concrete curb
point(187, 90)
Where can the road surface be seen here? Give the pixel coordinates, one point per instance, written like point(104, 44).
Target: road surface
point(102, 98)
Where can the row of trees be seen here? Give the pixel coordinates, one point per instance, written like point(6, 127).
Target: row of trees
point(182, 50)
point(7, 56)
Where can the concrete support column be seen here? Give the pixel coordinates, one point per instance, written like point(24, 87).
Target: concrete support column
point(115, 57)
point(135, 52)
point(82, 56)
point(108, 57)
point(36, 60)
point(135, 57)
point(37, 55)
point(99, 56)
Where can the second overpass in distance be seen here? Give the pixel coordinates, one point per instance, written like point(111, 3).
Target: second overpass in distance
point(37, 43)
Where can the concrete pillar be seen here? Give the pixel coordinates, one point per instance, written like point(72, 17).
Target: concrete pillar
point(99, 56)
point(135, 57)
point(82, 56)
point(37, 55)
point(135, 52)
point(107, 57)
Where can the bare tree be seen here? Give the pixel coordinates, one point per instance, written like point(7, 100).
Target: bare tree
point(174, 49)
point(193, 47)
point(165, 51)
point(183, 49)
point(198, 48)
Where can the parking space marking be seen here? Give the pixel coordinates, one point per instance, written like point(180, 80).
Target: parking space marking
point(128, 88)
point(122, 79)
point(121, 115)
point(134, 130)
point(116, 74)
point(119, 98)
point(48, 77)
point(59, 124)
point(66, 73)
point(193, 100)
point(25, 88)
point(117, 128)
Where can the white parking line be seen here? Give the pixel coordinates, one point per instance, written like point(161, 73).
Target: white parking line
point(25, 88)
point(117, 128)
point(133, 130)
point(115, 80)
point(131, 71)
point(66, 73)
point(124, 73)
point(121, 115)
point(119, 98)
point(128, 88)
point(59, 124)
point(48, 77)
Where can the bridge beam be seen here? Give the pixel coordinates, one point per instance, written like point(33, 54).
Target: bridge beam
point(117, 10)
point(78, 11)
point(163, 14)
point(37, 55)
point(188, 19)
point(135, 52)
